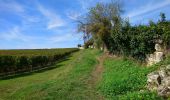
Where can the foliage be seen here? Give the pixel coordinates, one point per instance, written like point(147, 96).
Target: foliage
point(97, 22)
point(138, 41)
point(79, 45)
point(163, 17)
point(107, 29)
point(14, 61)
point(89, 43)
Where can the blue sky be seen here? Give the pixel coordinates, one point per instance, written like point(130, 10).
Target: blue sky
point(30, 24)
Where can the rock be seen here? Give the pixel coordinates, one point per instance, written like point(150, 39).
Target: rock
point(156, 57)
point(163, 73)
point(165, 92)
point(168, 70)
point(160, 88)
point(154, 80)
point(158, 47)
point(168, 67)
point(166, 81)
point(150, 59)
point(160, 81)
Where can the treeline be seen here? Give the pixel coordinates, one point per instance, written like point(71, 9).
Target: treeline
point(104, 27)
point(30, 61)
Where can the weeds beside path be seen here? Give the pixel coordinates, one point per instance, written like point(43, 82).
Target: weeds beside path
point(123, 79)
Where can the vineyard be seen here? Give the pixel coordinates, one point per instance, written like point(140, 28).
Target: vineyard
point(19, 61)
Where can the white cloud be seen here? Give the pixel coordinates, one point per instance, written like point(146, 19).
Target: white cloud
point(30, 18)
point(61, 38)
point(15, 34)
point(73, 15)
point(54, 20)
point(69, 35)
point(11, 7)
point(21, 10)
point(86, 4)
point(148, 8)
point(19, 35)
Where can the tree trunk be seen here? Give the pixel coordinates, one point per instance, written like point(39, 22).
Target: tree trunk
point(105, 48)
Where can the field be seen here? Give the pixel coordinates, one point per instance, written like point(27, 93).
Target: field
point(19, 61)
point(35, 52)
point(85, 75)
point(68, 80)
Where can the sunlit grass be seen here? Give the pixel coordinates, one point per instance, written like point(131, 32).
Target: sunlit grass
point(124, 79)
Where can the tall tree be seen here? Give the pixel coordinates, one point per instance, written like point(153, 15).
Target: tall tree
point(100, 20)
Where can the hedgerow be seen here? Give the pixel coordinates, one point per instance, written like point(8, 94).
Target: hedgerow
point(28, 60)
point(138, 41)
point(104, 26)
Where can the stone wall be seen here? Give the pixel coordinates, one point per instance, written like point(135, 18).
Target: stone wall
point(160, 81)
point(157, 56)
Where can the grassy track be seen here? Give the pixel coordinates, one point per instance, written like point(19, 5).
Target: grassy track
point(69, 80)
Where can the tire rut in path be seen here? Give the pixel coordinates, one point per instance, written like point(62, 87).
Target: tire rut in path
point(96, 75)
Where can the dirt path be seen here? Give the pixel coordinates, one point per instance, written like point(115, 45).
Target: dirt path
point(96, 75)
point(98, 70)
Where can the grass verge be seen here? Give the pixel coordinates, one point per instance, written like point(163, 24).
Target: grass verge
point(125, 80)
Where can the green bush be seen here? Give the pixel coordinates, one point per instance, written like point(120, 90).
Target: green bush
point(22, 62)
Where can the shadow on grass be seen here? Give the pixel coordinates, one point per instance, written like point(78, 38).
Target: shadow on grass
point(41, 70)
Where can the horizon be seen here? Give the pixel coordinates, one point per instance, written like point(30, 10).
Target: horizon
point(36, 24)
point(39, 48)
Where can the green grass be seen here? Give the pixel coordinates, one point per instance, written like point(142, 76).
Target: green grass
point(69, 80)
point(125, 80)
